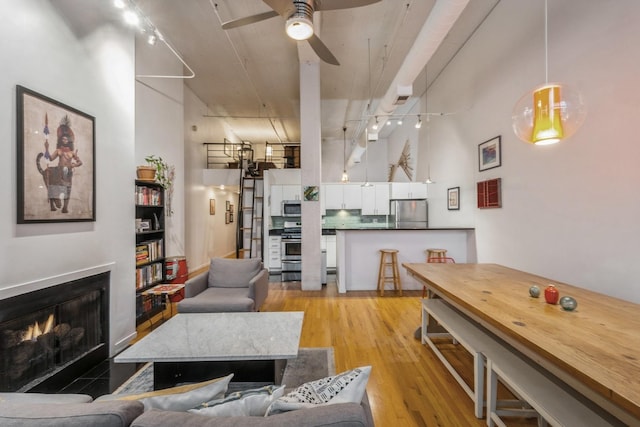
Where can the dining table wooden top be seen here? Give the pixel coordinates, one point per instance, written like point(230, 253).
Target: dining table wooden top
point(595, 348)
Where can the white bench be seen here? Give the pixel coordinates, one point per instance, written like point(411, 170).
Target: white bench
point(472, 338)
point(553, 402)
point(537, 394)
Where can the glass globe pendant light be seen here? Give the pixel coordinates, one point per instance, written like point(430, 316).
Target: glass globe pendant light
point(550, 112)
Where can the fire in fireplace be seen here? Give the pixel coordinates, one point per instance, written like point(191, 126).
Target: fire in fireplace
point(51, 335)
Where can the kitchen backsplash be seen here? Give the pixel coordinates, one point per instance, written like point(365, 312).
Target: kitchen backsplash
point(340, 219)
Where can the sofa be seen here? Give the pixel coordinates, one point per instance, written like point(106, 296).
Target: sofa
point(230, 285)
point(183, 405)
point(30, 411)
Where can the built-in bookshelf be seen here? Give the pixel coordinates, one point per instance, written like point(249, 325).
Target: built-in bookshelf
point(150, 247)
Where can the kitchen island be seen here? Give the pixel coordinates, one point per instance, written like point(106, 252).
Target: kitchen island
point(358, 257)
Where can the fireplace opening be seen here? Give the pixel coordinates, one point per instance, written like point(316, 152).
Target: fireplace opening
point(52, 335)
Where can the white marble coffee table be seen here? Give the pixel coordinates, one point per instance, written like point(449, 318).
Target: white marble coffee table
point(199, 346)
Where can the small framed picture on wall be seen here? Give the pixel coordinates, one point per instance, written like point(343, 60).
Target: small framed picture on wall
point(453, 198)
point(490, 154)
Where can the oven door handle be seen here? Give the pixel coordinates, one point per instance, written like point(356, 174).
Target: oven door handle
point(285, 261)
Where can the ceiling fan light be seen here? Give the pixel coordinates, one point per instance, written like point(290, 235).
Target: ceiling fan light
point(299, 27)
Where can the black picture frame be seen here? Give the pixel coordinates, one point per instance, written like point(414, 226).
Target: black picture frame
point(56, 180)
point(453, 198)
point(490, 153)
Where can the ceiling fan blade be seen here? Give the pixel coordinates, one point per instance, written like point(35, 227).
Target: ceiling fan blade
point(285, 8)
point(249, 20)
point(321, 5)
point(322, 50)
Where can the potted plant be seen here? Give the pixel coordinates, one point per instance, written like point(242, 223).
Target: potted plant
point(164, 174)
point(146, 173)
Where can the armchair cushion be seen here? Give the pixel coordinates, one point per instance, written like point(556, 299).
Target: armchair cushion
point(233, 273)
point(218, 300)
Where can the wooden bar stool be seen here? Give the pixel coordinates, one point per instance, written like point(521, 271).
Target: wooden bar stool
point(436, 253)
point(389, 258)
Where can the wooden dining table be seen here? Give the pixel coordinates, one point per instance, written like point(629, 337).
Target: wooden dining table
point(594, 349)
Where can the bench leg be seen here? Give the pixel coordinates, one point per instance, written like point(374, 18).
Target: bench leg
point(478, 383)
point(492, 393)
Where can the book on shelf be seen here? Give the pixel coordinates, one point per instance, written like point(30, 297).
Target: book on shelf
point(148, 196)
point(148, 275)
point(149, 251)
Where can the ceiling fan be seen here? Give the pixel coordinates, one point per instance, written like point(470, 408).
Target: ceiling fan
point(299, 20)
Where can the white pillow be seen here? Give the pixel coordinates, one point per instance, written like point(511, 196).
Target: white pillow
point(346, 387)
point(253, 402)
point(179, 398)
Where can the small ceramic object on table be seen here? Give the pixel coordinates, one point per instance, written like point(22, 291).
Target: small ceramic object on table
point(551, 294)
point(568, 303)
point(534, 291)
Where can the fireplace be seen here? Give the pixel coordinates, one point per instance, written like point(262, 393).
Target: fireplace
point(50, 336)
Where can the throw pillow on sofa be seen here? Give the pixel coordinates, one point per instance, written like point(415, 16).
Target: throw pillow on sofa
point(180, 398)
point(346, 387)
point(252, 402)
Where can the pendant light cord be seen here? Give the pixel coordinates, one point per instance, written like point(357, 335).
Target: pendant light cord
point(546, 44)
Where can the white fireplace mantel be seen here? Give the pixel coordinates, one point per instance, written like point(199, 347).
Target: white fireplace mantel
point(23, 288)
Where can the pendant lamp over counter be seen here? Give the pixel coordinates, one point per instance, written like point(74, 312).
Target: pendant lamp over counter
point(550, 112)
point(345, 176)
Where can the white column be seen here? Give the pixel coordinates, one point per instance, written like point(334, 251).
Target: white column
point(311, 168)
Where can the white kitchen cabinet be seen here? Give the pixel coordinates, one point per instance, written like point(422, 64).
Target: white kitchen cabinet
point(282, 192)
point(331, 251)
point(291, 192)
point(328, 244)
point(275, 200)
point(375, 199)
point(274, 257)
point(408, 190)
point(342, 196)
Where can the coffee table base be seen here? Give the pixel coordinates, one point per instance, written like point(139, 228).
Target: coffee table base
point(169, 374)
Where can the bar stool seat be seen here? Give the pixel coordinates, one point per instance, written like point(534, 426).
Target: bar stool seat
point(436, 253)
point(389, 259)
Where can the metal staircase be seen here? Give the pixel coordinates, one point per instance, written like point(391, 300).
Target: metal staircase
point(250, 218)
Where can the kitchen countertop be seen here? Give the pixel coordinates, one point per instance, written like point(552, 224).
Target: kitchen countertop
point(332, 231)
point(401, 229)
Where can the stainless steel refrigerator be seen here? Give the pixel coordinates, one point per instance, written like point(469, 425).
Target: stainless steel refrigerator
point(409, 213)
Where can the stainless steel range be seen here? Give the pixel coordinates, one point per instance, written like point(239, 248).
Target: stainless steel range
point(291, 251)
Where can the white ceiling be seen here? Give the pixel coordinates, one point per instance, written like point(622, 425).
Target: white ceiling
point(248, 76)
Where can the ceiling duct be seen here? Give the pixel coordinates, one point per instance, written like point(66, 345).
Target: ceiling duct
point(438, 24)
point(402, 94)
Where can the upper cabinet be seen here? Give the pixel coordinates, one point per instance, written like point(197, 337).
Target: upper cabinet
point(408, 190)
point(375, 199)
point(342, 196)
point(279, 193)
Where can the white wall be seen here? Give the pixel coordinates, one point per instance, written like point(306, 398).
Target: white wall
point(89, 68)
point(160, 129)
point(376, 169)
point(570, 211)
point(207, 235)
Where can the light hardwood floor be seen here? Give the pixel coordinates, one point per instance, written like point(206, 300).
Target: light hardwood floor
point(408, 386)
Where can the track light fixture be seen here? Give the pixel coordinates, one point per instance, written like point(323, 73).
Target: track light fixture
point(419, 123)
point(135, 17)
point(375, 125)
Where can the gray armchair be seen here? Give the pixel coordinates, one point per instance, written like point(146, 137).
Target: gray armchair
point(229, 285)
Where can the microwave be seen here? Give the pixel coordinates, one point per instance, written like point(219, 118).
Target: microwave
point(291, 208)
